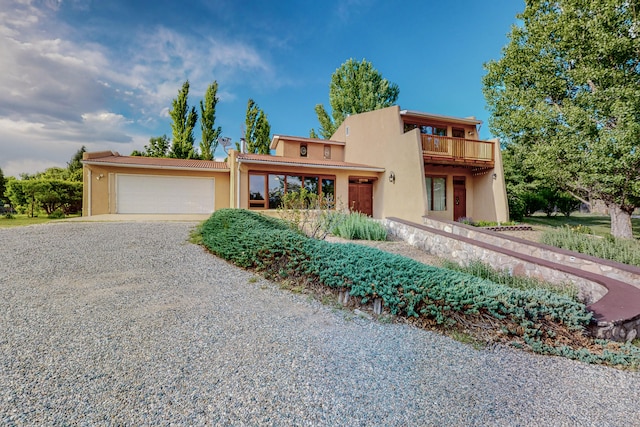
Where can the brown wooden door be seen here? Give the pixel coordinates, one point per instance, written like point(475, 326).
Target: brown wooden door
point(459, 198)
point(361, 197)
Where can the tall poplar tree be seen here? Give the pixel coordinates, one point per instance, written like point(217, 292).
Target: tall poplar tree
point(258, 130)
point(2, 188)
point(182, 126)
point(210, 134)
point(356, 87)
point(567, 90)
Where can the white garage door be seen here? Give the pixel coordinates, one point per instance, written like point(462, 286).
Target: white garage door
point(151, 194)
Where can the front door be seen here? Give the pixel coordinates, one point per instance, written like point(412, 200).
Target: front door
point(459, 198)
point(361, 197)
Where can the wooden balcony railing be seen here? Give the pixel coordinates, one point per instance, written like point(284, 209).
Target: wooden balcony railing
point(445, 150)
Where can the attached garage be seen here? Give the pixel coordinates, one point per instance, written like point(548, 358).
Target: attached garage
point(115, 184)
point(154, 194)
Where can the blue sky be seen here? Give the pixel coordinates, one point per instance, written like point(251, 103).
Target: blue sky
point(103, 73)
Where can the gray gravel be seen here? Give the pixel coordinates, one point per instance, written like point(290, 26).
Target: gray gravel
point(128, 324)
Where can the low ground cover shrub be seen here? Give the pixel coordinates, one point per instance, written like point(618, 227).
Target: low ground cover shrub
point(534, 318)
point(611, 248)
point(482, 223)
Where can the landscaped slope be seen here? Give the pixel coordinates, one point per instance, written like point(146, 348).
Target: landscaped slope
point(536, 319)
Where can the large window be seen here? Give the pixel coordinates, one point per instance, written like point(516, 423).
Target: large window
point(436, 193)
point(266, 190)
point(437, 130)
point(433, 130)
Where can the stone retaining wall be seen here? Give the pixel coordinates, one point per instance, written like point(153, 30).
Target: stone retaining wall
point(615, 270)
point(449, 241)
point(464, 251)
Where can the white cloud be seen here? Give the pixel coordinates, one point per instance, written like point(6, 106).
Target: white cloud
point(59, 91)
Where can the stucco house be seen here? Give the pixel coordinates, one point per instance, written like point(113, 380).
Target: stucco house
point(388, 162)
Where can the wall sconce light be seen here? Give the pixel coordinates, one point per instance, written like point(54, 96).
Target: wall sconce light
point(494, 176)
point(99, 177)
point(392, 177)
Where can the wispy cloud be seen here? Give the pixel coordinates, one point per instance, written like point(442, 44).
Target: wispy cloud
point(59, 90)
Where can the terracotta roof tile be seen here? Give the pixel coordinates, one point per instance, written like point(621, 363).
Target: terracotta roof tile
point(160, 162)
point(301, 161)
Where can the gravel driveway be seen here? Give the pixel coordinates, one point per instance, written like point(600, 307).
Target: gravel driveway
point(129, 324)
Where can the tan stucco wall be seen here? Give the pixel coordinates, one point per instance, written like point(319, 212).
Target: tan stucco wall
point(99, 192)
point(377, 138)
point(492, 192)
point(315, 150)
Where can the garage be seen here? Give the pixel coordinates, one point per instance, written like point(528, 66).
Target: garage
point(158, 194)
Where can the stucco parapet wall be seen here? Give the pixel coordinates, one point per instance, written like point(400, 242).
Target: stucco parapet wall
point(626, 273)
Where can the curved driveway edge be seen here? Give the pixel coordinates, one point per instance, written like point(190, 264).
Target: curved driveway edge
point(129, 324)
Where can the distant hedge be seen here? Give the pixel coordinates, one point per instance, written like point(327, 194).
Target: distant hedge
point(406, 287)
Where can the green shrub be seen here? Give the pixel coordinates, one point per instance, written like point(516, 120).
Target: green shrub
point(494, 223)
point(517, 207)
point(566, 203)
point(502, 277)
point(466, 220)
point(406, 287)
point(357, 226)
point(574, 239)
point(57, 214)
point(533, 202)
point(308, 212)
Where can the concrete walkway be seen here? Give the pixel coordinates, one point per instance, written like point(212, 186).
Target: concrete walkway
point(141, 218)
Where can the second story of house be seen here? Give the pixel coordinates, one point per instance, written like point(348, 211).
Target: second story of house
point(450, 140)
point(307, 148)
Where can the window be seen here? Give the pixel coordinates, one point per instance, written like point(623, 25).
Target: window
point(409, 127)
point(327, 151)
point(457, 133)
point(276, 190)
point(294, 183)
point(436, 193)
point(257, 191)
point(266, 190)
point(433, 130)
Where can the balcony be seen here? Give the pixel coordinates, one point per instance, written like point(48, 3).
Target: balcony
point(445, 150)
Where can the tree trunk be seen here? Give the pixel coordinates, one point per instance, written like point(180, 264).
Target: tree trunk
point(620, 222)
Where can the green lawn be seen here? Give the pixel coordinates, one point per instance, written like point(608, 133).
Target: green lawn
point(600, 225)
point(21, 220)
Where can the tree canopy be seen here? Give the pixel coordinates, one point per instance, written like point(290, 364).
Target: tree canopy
point(183, 122)
point(74, 166)
point(567, 91)
point(258, 130)
point(210, 134)
point(2, 188)
point(159, 146)
point(356, 87)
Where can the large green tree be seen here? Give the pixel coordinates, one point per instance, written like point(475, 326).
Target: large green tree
point(159, 146)
point(258, 130)
point(2, 188)
point(356, 87)
point(182, 125)
point(210, 134)
point(74, 166)
point(567, 90)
